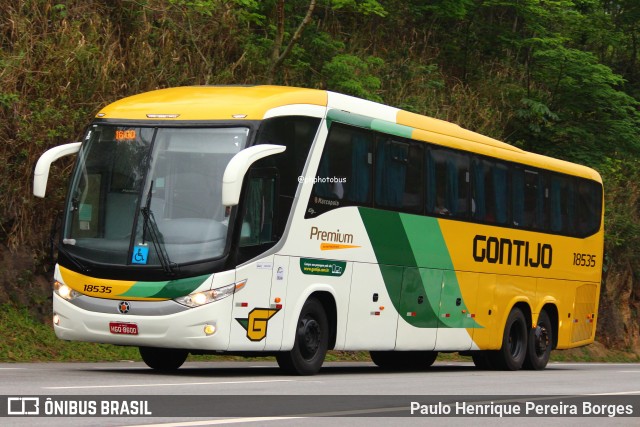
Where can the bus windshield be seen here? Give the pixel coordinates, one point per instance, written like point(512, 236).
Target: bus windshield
point(148, 196)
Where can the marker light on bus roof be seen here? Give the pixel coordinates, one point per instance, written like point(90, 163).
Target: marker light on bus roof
point(198, 299)
point(163, 116)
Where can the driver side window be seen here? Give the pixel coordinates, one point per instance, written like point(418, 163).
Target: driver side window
point(257, 226)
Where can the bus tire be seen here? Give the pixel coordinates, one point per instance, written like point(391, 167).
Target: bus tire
point(403, 360)
point(511, 355)
point(540, 343)
point(163, 359)
point(311, 342)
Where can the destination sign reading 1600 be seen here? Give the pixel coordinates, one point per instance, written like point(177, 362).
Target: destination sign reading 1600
point(125, 135)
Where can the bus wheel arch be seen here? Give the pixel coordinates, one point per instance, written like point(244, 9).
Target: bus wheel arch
point(542, 339)
point(513, 351)
point(554, 317)
point(313, 335)
point(330, 308)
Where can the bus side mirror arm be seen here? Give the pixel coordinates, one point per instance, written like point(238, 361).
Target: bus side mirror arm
point(237, 168)
point(41, 174)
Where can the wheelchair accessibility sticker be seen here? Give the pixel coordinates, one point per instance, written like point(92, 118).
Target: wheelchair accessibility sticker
point(140, 255)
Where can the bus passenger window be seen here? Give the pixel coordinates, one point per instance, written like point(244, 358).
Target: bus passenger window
point(412, 200)
point(257, 220)
point(517, 196)
point(480, 177)
point(500, 195)
point(392, 159)
point(437, 200)
point(562, 205)
point(460, 188)
point(589, 207)
point(534, 199)
point(296, 133)
point(344, 173)
point(448, 178)
point(359, 184)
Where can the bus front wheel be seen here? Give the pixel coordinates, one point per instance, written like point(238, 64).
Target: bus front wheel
point(163, 359)
point(511, 355)
point(540, 343)
point(311, 341)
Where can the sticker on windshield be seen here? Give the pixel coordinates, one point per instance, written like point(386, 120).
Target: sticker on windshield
point(140, 254)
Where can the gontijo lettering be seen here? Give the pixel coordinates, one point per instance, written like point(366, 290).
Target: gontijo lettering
point(496, 250)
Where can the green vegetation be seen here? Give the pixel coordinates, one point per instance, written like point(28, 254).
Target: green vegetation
point(25, 339)
point(558, 77)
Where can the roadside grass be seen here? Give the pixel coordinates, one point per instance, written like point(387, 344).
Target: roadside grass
point(596, 352)
point(25, 339)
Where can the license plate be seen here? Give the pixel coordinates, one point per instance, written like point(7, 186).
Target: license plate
point(121, 328)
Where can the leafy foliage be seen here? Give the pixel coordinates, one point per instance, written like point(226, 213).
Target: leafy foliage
point(354, 76)
point(579, 113)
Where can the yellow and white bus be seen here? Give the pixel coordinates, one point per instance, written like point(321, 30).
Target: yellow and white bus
point(284, 221)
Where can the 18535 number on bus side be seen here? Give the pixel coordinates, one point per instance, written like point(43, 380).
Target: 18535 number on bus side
point(584, 260)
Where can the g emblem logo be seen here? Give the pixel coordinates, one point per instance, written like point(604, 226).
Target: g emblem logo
point(124, 307)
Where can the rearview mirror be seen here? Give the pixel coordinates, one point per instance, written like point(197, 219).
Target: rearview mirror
point(237, 168)
point(41, 173)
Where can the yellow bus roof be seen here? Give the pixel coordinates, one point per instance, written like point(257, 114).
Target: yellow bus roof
point(210, 103)
point(196, 103)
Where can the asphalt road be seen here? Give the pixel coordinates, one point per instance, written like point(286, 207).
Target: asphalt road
point(354, 394)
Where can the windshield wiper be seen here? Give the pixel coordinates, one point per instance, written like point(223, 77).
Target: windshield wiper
point(151, 227)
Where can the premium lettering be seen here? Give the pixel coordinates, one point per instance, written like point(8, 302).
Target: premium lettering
point(330, 236)
point(494, 250)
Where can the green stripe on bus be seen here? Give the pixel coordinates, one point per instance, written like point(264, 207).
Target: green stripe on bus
point(391, 128)
point(388, 238)
point(418, 304)
point(169, 289)
point(416, 268)
point(348, 118)
point(369, 123)
point(427, 242)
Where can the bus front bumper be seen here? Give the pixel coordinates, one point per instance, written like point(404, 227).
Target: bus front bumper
point(202, 328)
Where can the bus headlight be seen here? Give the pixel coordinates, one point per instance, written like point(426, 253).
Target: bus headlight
point(65, 291)
point(197, 299)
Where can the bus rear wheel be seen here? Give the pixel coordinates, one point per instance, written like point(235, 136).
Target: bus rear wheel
point(540, 343)
point(511, 355)
point(311, 342)
point(163, 359)
point(403, 360)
